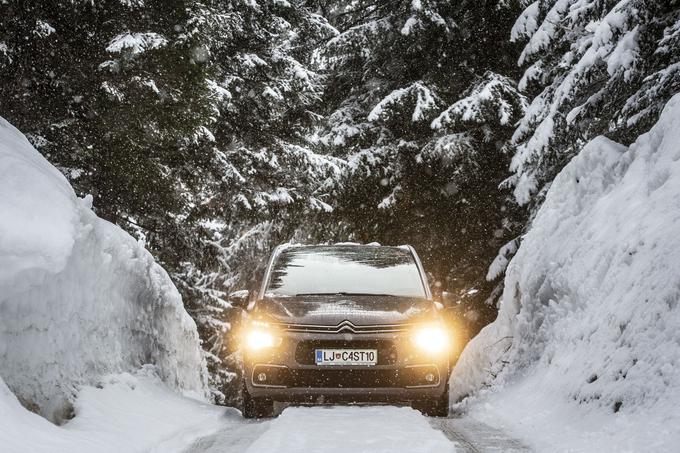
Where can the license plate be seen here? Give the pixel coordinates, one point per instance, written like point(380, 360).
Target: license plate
point(346, 356)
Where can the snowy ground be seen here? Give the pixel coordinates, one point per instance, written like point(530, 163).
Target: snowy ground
point(138, 413)
point(377, 429)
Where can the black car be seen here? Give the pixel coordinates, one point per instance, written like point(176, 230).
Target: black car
point(345, 323)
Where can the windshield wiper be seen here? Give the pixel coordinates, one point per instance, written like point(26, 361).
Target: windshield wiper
point(343, 293)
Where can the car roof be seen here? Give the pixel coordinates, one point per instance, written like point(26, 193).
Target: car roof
point(342, 245)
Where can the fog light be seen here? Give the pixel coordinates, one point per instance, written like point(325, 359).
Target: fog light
point(429, 377)
point(262, 377)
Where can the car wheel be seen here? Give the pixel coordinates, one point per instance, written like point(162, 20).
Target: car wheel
point(434, 408)
point(256, 407)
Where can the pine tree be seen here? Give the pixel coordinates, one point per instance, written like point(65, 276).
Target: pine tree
point(269, 184)
point(104, 98)
point(421, 114)
point(604, 68)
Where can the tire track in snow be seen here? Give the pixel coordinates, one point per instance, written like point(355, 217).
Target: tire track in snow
point(471, 436)
point(234, 438)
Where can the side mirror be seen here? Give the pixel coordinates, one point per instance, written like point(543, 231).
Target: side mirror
point(239, 299)
point(448, 299)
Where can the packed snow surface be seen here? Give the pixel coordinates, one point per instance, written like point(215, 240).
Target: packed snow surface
point(585, 352)
point(351, 429)
point(79, 298)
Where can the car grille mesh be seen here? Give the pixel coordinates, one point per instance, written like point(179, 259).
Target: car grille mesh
point(345, 378)
point(339, 378)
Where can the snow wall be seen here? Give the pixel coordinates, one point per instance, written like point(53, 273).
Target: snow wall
point(590, 314)
point(79, 297)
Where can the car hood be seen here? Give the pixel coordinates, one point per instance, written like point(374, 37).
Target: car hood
point(332, 310)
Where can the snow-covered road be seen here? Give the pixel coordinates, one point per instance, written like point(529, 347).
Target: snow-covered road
point(378, 429)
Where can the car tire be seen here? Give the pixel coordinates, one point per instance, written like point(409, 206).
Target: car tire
point(256, 407)
point(434, 408)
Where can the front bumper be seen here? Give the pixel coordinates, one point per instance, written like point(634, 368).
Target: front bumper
point(402, 374)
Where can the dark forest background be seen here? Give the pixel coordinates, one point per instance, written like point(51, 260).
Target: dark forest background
point(214, 130)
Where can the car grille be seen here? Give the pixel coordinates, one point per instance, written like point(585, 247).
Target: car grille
point(345, 327)
point(305, 351)
point(344, 378)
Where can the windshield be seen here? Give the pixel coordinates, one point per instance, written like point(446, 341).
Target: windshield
point(351, 269)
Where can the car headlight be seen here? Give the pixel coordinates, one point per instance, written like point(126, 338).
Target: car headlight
point(431, 338)
point(260, 336)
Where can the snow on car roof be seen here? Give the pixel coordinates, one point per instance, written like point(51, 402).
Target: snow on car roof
point(340, 244)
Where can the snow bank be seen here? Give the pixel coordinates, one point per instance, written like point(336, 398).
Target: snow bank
point(585, 353)
point(124, 413)
point(79, 298)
